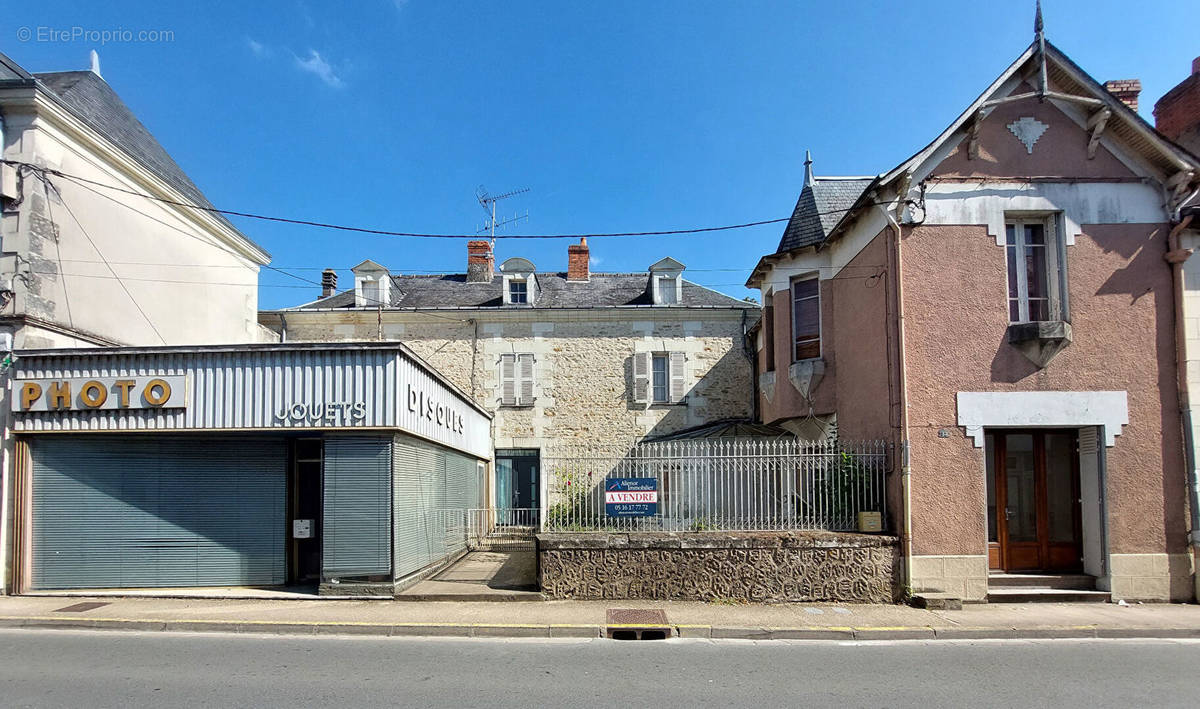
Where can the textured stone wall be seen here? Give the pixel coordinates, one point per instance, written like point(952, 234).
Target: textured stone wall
point(582, 368)
point(758, 567)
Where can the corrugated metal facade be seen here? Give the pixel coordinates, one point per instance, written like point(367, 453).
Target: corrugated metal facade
point(357, 521)
point(433, 489)
point(134, 511)
point(251, 388)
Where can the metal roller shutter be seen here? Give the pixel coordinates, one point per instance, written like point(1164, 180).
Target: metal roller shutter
point(133, 511)
point(356, 536)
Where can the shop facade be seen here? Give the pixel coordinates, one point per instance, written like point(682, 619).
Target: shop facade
point(326, 467)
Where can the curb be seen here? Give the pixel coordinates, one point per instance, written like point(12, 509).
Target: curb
point(570, 630)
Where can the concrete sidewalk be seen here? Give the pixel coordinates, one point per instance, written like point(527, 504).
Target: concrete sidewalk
point(587, 619)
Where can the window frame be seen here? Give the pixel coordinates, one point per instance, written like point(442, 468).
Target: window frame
point(655, 359)
point(1017, 253)
point(768, 331)
point(795, 340)
point(514, 283)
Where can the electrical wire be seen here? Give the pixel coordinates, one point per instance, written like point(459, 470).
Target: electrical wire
point(420, 235)
point(101, 255)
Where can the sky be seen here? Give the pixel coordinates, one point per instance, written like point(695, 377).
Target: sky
point(616, 116)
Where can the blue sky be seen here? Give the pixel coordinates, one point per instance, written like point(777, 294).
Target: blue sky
point(618, 116)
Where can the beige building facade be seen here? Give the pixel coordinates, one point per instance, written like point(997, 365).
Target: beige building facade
point(564, 362)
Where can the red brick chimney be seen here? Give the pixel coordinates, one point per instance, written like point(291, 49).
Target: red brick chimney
point(1126, 90)
point(577, 261)
point(328, 282)
point(481, 263)
point(1177, 113)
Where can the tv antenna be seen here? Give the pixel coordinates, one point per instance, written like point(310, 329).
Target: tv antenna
point(488, 202)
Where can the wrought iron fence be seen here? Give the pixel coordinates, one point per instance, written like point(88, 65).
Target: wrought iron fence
point(723, 485)
point(501, 530)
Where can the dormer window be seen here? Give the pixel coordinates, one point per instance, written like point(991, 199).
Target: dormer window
point(372, 285)
point(666, 282)
point(520, 282)
point(518, 292)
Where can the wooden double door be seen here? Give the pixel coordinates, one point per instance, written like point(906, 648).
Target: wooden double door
point(1033, 500)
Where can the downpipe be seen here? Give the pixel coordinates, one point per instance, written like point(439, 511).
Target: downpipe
point(905, 447)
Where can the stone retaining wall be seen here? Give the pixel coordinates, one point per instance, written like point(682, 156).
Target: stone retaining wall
point(758, 567)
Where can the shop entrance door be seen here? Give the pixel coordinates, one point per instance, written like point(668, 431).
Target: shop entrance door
point(1033, 501)
point(518, 500)
point(304, 511)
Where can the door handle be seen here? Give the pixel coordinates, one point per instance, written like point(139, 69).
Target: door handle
point(1008, 513)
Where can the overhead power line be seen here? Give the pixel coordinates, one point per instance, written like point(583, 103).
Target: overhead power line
point(416, 235)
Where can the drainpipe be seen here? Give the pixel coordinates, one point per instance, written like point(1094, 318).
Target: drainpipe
point(905, 453)
point(1176, 256)
point(282, 328)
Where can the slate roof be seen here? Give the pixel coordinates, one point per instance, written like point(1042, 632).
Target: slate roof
point(603, 290)
point(820, 206)
point(94, 102)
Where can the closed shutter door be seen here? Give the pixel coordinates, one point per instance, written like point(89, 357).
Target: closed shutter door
point(462, 495)
point(131, 511)
point(414, 468)
point(356, 535)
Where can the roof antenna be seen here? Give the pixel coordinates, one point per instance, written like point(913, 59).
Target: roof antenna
point(95, 59)
point(808, 175)
point(1039, 34)
point(488, 202)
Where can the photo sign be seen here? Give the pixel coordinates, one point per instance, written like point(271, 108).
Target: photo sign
point(631, 497)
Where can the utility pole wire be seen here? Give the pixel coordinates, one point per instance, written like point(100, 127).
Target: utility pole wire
point(106, 263)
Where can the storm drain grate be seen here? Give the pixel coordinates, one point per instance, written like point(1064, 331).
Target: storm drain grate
point(637, 624)
point(81, 607)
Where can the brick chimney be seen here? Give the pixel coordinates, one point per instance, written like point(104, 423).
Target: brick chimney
point(578, 268)
point(1177, 113)
point(328, 282)
point(481, 263)
point(1126, 91)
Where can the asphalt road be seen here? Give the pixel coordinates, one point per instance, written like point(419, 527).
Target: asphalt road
point(58, 668)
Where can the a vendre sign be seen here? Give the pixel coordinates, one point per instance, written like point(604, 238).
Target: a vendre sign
point(631, 497)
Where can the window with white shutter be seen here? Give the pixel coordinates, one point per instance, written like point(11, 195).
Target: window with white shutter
point(525, 380)
point(516, 380)
point(508, 380)
point(641, 377)
point(678, 385)
point(659, 377)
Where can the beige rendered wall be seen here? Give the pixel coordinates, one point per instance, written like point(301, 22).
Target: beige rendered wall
point(192, 287)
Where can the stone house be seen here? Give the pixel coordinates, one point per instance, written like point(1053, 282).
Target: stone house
point(1001, 307)
point(563, 360)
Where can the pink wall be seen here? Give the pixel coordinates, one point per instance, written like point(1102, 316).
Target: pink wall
point(1121, 314)
point(1062, 149)
point(854, 344)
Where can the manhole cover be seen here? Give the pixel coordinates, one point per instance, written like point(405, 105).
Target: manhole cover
point(81, 607)
point(637, 624)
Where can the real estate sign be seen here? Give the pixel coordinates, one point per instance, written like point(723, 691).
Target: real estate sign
point(631, 497)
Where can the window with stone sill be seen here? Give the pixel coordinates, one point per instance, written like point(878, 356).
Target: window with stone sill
point(1035, 274)
point(518, 292)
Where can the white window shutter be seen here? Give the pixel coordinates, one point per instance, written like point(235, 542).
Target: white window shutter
point(525, 377)
point(508, 380)
point(641, 377)
point(678, 389)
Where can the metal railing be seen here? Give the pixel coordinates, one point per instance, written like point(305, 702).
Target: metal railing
point(724, 485)
point(500, 530)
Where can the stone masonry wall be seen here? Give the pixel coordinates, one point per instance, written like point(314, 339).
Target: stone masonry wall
point(582, 368)
point(758, 567)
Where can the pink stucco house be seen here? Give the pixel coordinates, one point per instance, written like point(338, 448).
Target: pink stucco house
point(1002, 307)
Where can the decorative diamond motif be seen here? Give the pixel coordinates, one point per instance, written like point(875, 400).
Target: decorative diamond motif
point(1028, 129)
